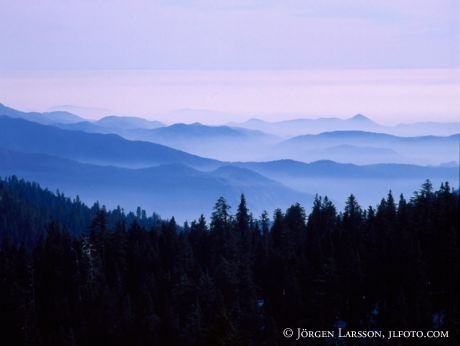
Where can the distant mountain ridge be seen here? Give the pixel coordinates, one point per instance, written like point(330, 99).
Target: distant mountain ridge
point(108, 149)
point(300, 126)
point(284, 128)
point(42, 118)
point(366, 182)
point(328, 168)
point(89, 157)
point(127, 122)
point(217, 142)
point(179, 190)
point(169, 190)
point(200, 130)
point(346, 140)
point(369, 147)
point(358, 122)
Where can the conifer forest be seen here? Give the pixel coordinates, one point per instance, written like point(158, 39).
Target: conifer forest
point(71, 274)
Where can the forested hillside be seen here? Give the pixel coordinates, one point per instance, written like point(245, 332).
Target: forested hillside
point(75, 275)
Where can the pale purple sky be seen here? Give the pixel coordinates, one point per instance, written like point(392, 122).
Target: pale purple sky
point(391, 60)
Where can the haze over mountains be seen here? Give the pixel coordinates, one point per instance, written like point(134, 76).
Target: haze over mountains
point(106, 149)
point(181, 169)
point(355, 140)
point(168, 190)
point(358, 122)
point(368, 147)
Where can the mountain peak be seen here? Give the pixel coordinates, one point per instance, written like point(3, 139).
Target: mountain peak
point(360, 118)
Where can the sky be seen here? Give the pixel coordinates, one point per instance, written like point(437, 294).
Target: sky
point(391, 60)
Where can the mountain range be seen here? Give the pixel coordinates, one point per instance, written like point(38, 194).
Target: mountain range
point(89, 159)
point(355, 140)
point(168, 190)
point(369, 147)
point(358, 122)
point(54, 117)
point(104, 149)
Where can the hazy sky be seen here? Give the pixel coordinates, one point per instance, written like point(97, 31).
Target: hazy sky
point(392, 60)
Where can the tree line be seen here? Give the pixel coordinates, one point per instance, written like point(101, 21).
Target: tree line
point(77, 275)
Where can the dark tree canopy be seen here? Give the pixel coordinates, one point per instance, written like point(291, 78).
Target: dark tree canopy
point(77, 275)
